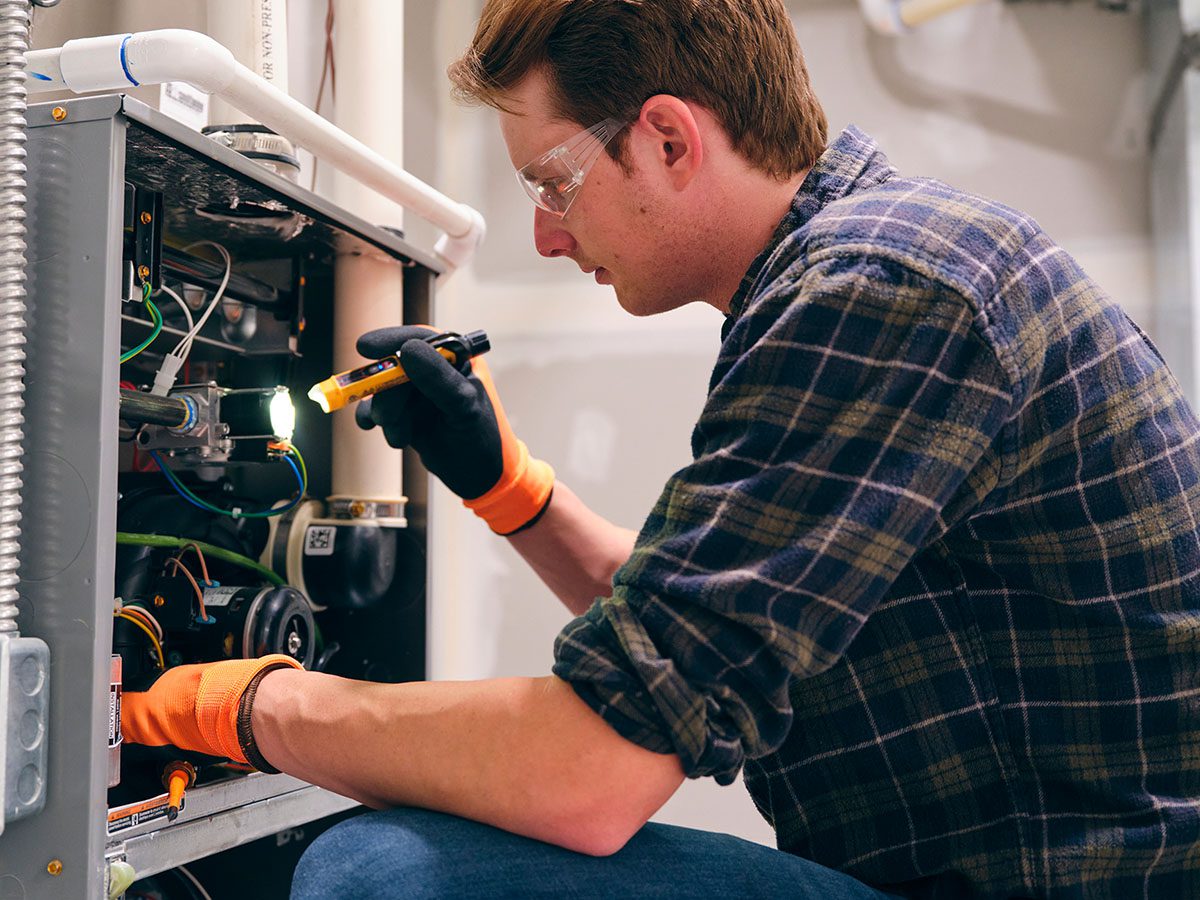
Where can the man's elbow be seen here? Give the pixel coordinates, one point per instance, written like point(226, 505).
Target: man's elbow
point(600, 816)
point(600, 831)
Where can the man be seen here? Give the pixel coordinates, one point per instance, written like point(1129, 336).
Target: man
point(930, 579)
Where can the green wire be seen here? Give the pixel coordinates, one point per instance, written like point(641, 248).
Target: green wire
point(156, 317)
point(295, 451)
point(162, 540)
point(204, 504)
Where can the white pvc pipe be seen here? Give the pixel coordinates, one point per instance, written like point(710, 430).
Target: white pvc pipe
point(255, 31)
point(117, 62)
point(368, 292)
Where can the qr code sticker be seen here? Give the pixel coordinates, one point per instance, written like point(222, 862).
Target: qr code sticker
point(318, 541)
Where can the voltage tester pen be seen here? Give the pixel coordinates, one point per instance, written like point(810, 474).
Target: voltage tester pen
point(342, 389)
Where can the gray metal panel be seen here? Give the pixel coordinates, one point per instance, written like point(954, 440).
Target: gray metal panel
point(206, 801)
point(188, 840)
point(68, 541)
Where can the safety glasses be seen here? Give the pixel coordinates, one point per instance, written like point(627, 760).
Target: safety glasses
point(553, 180)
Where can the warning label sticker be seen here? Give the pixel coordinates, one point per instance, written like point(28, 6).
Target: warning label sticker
point(114, 714)
point(122, 817)
point(318, 540)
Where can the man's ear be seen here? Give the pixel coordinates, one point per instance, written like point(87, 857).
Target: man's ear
point(678, 147)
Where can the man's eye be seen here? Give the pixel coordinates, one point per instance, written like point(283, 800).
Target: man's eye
point(556, 186)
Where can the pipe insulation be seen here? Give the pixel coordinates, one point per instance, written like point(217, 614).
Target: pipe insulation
point(14, 44)
point(120, 61)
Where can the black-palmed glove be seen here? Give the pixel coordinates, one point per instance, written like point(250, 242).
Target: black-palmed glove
point(454, 420)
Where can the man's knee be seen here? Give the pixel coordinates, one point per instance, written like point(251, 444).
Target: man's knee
point(380, 854)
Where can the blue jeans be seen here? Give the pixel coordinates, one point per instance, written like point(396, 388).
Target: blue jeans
point(418, 855)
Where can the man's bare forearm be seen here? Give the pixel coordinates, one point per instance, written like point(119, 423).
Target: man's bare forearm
point(574, 550)
point(522, 754)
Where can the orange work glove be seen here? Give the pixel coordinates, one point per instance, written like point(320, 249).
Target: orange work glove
point(204, 708)
point(453, 418)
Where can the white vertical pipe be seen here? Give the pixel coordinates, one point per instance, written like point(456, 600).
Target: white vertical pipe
point(369, 52)
point(256, 32)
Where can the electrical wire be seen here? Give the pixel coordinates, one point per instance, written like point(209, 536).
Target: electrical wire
point(144, 613)
point(141, 614)
point(135, 539)
point(180, 567)
point(187, 310)
point(184, 347)
point(121, 614)
point(204, 895)
point(155, 317)
point(295, 451)
point(186, 494)
point(192, 545)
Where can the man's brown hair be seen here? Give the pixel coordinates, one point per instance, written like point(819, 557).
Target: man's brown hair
point(739, 59)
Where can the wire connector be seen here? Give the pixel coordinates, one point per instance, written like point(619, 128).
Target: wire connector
point(164, 378)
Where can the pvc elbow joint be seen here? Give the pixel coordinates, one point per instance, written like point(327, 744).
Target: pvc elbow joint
point(457, 250)
point(121, 61)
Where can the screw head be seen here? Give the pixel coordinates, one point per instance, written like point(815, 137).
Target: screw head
point(143, 272)
point(146, 218)
point(58, 114)
point(54, 867)
point(159, 600)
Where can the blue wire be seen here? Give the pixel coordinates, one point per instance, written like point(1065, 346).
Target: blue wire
point(191, 498)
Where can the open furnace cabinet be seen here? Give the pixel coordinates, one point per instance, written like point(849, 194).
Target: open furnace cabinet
point(120, 195)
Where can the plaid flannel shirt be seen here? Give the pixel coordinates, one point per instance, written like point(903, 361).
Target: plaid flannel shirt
point(933, 576)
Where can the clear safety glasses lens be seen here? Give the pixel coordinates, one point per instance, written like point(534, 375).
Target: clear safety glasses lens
point(553, 179)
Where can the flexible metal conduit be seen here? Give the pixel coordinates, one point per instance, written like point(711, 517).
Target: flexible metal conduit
point(14, 44)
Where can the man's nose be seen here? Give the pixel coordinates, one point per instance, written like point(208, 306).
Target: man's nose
point(549, 236)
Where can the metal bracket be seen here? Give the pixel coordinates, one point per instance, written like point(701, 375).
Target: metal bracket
point(24, 703)
point(143, 232)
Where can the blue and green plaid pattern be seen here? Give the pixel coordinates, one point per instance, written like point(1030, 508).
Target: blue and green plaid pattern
point(933, 577)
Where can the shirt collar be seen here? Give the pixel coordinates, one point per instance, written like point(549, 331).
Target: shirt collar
point(851, 163)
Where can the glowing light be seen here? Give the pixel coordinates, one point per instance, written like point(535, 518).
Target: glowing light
point(283, 414)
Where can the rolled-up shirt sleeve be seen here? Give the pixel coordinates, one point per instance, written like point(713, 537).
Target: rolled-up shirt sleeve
point(846, 422)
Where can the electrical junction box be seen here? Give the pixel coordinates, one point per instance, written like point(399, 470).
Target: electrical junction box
point(121, 574)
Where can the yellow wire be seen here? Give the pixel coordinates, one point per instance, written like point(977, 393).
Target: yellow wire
point(162, 664)
point(142, 614)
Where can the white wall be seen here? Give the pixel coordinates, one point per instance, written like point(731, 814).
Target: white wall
point(1038, 106)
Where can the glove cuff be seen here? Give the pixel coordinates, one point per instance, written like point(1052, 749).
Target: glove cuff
point(519, 496)
point(245, 731)
point(219, 700)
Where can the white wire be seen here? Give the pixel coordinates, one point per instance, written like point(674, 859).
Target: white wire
point(185, 344)
point(187, 310)
point(196, 882)
point(145, 612)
